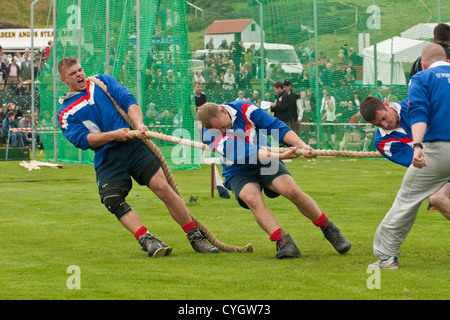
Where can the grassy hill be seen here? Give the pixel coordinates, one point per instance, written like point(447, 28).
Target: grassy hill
point(18, 14)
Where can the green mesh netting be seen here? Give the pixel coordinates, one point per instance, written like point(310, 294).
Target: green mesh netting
point(310, 43)
point(105, 40)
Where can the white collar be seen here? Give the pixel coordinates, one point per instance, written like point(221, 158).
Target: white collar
point(439, 63)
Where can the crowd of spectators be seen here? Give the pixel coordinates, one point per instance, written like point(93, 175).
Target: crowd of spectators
point(234, 67)
point(230, 72)
point(15, 80)
point(16, 126)
point(16, 69)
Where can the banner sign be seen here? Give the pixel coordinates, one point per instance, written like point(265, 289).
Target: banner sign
point(19, 39)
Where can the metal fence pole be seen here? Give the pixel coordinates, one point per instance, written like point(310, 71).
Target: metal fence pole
point(33, 90)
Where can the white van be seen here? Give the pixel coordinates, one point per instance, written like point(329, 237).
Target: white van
point(276, 53)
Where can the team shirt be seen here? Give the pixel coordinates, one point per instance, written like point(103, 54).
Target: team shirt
point(434, 108)
point(396, 144)
point(429, 101)
point(239, 146)
point(92, 111)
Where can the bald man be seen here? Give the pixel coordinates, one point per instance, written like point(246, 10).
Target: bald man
point(428, 113)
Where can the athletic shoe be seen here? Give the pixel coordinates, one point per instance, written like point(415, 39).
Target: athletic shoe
point(153, 246)
point(199, 243)
point(389, 263)
point(223, 193)
point(335, 237)
point(286, 248)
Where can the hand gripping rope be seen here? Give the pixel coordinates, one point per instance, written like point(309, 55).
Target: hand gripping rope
point(316, 152)
point(221, 246)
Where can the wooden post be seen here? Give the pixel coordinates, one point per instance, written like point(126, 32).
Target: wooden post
point(213, 175)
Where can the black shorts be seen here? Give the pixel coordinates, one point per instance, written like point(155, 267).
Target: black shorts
point(237, 182)
point(128, 159)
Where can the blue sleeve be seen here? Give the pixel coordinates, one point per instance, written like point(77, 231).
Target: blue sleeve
point(119, 93)
point(76, 133)
point(233, 148)
point(418, 100)
point(397, 151)
point(404, 103)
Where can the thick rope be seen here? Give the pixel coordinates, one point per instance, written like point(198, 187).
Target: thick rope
point(334, 153)
point(211, 238)
point(203, 146)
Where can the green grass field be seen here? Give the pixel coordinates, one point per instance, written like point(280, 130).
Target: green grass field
point(52, 219)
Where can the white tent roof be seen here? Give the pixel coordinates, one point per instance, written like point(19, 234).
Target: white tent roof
point(403, 50)
point(420, 31)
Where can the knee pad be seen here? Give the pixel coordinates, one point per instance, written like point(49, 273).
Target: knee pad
point(113, 197)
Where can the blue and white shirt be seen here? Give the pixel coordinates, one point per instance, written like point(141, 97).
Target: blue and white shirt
point(429, 101)
point(92, 111)
point(396, 144)
point(239, 146)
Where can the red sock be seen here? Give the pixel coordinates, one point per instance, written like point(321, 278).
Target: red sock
point(322, 221)
point(188, 226)
point(140, 232)
point(276, 236)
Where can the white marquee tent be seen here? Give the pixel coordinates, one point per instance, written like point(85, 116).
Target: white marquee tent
point(420, 31)
point(396, 50)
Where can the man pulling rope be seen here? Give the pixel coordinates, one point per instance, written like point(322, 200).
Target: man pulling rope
point(238, 130)
point(89, 120)
point(315, 152)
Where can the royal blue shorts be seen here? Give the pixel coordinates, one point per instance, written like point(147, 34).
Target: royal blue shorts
point(263, 178)
point(128, 159)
